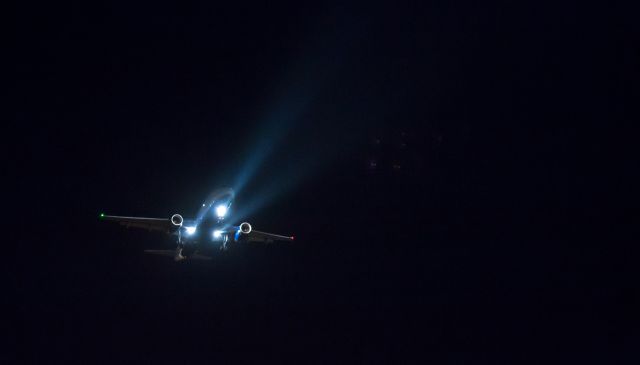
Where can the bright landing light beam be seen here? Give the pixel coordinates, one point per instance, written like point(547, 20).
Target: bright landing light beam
point(221, 211)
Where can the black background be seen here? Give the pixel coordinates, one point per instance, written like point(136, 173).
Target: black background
point(460, 178)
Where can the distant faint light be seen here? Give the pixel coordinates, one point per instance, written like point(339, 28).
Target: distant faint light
point(221, 211)
point(101, 215)
point(190, 230)
point(217, 234)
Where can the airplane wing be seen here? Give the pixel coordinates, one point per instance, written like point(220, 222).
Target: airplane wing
point(257, 236)
point(151, 224)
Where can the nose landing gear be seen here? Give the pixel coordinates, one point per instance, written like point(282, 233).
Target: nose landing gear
point(223, 245)
point(178, 255)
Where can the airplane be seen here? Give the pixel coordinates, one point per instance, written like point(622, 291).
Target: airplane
point(198, 238)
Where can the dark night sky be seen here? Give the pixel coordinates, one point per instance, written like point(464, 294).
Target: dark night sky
point(461, 179)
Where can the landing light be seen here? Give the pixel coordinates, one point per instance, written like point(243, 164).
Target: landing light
point(190, 230)
point(217, 234)
point(221, 211)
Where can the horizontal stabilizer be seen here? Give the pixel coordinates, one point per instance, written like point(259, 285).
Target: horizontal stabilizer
point(172, 254)
point(167, 253)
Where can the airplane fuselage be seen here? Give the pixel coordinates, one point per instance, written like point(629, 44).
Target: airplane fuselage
point(210, 231)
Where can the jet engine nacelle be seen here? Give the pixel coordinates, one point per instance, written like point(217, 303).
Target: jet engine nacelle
point(245, 228)
point(243, 232)
point(177, 220)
